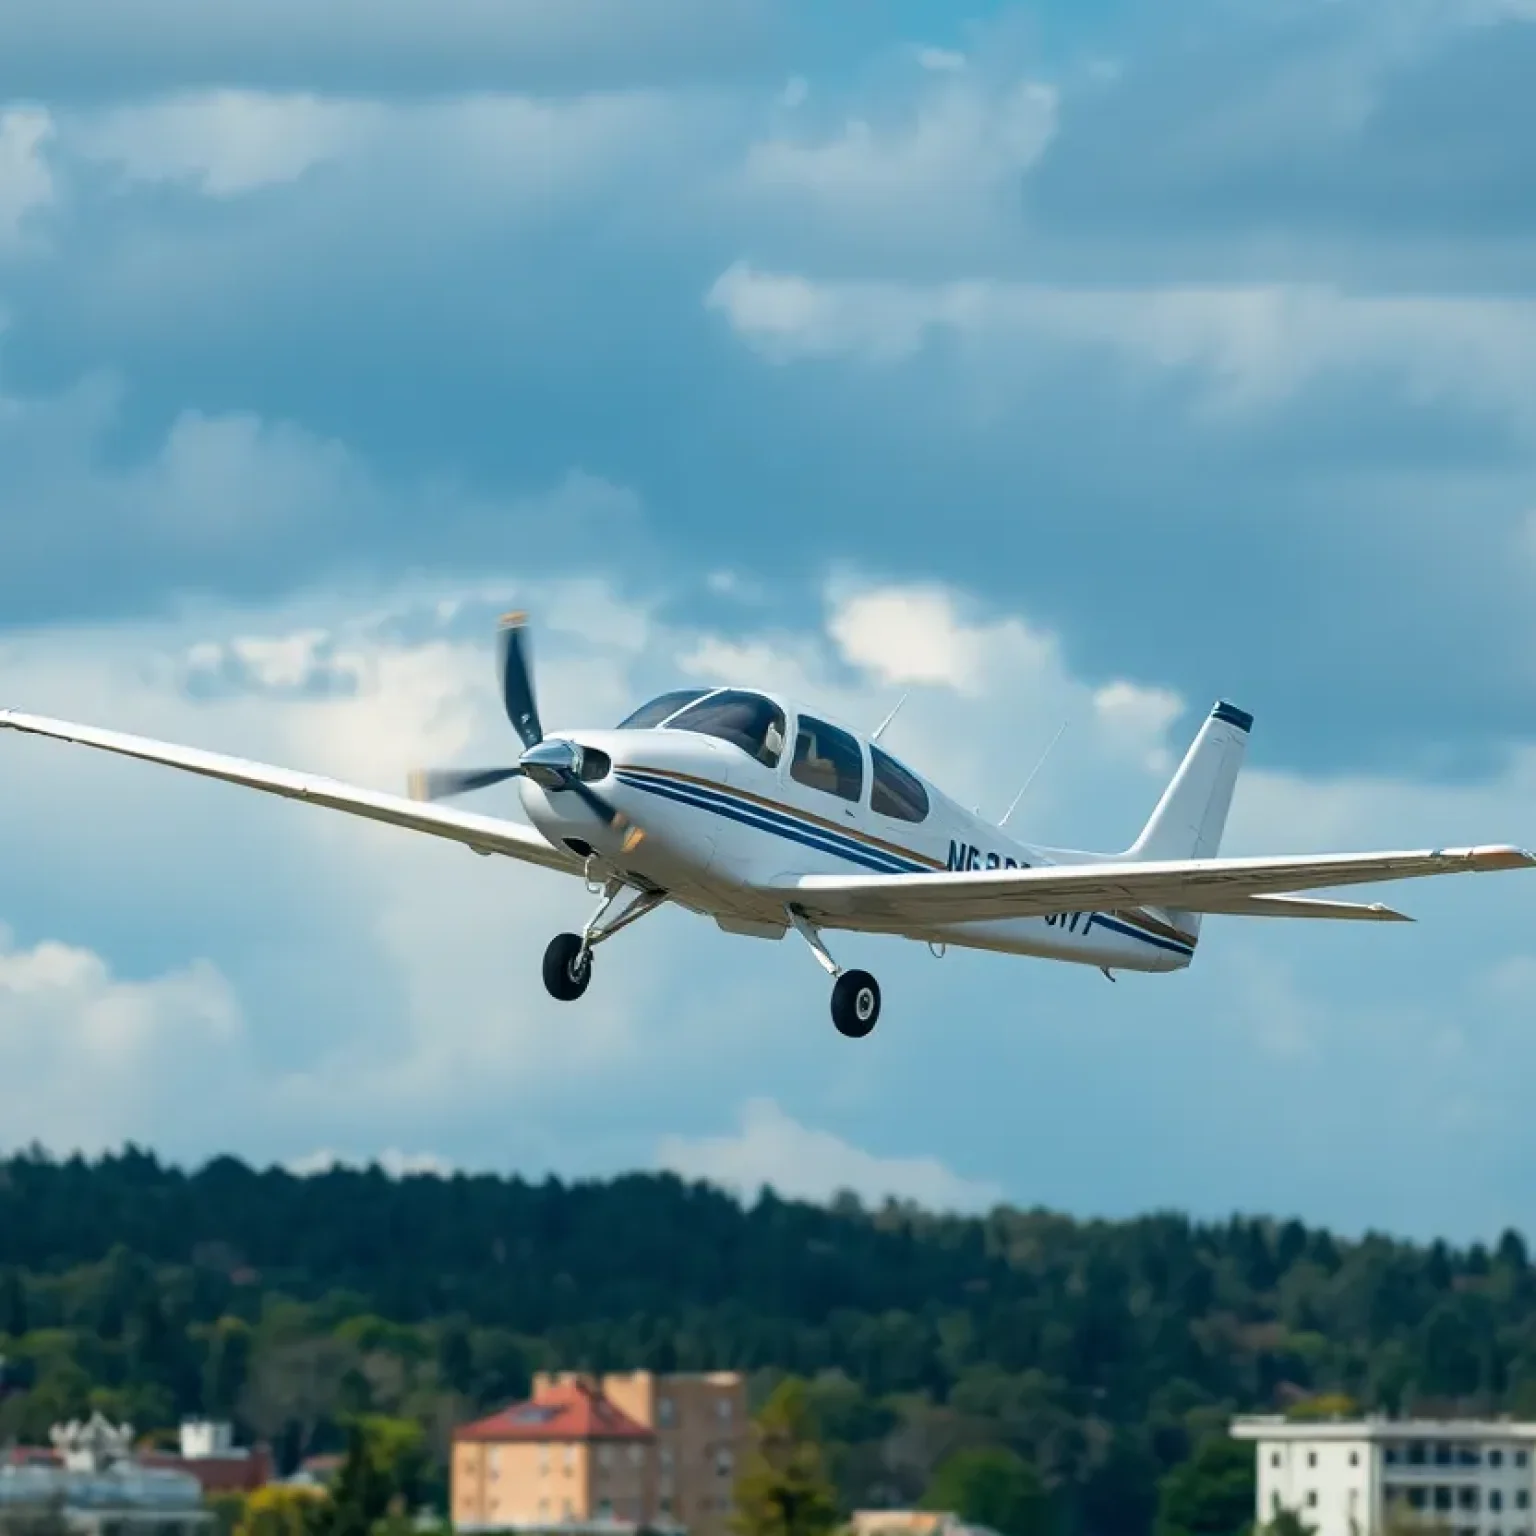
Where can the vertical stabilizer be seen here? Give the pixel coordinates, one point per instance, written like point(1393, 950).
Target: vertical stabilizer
point(1192, 813)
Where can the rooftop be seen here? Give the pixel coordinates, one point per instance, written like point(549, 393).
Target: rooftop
point(568, 1410)
point(1377, 1427)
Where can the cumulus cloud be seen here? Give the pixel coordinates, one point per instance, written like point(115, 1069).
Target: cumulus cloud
point(954, 154)
point(89, 1058)
point(1246, 348)
point(26, 181)
point(226, 142)
point(797, 1162)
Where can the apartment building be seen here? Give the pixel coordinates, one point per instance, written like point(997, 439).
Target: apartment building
point(701, 1426)
point(619, 1451)
point(1359, 1477)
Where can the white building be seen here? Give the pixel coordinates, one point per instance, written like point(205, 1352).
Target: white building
point(1355, 1477)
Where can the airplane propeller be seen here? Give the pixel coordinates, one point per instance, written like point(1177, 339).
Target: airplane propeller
point(553, 763)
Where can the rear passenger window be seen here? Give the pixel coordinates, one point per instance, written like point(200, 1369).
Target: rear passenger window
point(896, 792)
point(827, 759)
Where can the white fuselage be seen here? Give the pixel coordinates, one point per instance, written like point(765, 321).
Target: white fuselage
point(721, 825)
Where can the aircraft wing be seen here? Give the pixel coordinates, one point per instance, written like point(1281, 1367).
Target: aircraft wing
point(485, 834)
point(1186, 885)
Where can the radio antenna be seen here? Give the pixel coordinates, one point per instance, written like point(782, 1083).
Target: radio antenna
point(875, 734)
point(1031, 779)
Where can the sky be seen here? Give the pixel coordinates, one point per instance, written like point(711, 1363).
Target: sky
point(1056, 363)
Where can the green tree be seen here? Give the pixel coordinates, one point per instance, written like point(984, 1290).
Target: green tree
point(1286, 1522)
point(360, 1496)
point(784, 1489)
point(994, 1487)
point(1209, 1495)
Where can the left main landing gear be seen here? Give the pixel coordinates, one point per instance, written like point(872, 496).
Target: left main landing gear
point(855, 994)
point(568, 960)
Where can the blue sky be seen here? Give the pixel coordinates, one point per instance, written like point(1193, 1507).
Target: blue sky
point(1057, 363)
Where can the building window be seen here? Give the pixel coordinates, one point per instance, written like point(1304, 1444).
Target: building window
point(1495, 1458)
point(543, 1461)
point(1311, 1458)
point(1442, 1496)
point(1418, 1498)
point(1495, 1499)
point(1416, 1457)
point(636, 1455)
point(666, 1458)
point(723, 1464)
point(1312, 1499)
point(1466, 1498)
point(665, 1413)
point(1521, 1458)
point(723, 1407)
point(1274, 1458)
point(1354, 1458)
point(1469, 1456)
point(1391, 1455)
point(605, 1456)
point(1442, 1454)
point(1522, 1499)
point(1274, 1503)
point(570, 1458)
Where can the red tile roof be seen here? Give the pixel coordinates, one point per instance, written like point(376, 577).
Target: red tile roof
point(568, 1411)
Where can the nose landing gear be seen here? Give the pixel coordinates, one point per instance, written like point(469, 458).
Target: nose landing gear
point(568, 959)
point(855, 994)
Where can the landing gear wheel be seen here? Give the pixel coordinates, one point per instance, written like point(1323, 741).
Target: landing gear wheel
point(567, 967)
point(855, 1004)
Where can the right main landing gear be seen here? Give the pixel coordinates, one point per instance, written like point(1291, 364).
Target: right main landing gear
point(855, 994)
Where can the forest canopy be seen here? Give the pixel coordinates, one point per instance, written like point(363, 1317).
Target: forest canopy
point(1101, 1356)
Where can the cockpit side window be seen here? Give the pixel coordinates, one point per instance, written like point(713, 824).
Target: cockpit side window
point(659, 709)
point(746, 720)
point(828, 759)
point(896, 792)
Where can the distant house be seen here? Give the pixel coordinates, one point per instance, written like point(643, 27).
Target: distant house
point(92, 1478)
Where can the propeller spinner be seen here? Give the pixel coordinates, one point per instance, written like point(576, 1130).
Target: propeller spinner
point(555, 765)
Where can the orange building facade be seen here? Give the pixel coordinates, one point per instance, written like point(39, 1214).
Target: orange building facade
point(625, 1450)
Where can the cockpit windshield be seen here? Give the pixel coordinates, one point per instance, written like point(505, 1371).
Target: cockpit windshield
point(659, 709)
point(746, 720)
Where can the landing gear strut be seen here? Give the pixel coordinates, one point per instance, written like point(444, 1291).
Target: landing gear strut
point(855, 994)
point(568, 960)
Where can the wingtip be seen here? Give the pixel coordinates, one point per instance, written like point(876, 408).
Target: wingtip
point(1502, 856)
point(1230, 714)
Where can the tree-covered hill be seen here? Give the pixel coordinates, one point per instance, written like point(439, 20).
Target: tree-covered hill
point(1104, 1353)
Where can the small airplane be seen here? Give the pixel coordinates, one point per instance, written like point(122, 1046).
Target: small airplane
point(738, 805)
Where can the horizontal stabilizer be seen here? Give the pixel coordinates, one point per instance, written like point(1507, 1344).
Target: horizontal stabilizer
point(905, 902)
point(1305, 906)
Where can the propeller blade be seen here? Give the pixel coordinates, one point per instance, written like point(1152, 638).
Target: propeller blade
point(611, 814)
point(444, 783)
point(517, 678)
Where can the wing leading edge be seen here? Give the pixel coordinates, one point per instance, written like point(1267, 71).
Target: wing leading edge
point(1250, 887)
point(485, 834)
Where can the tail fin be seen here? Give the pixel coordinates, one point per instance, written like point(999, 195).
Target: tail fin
point(1190, 817)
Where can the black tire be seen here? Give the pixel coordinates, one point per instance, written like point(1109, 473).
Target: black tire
point(855, 1004)
point(564, 979)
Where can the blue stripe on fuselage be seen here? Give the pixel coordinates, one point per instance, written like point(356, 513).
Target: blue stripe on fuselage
point(828, 840)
